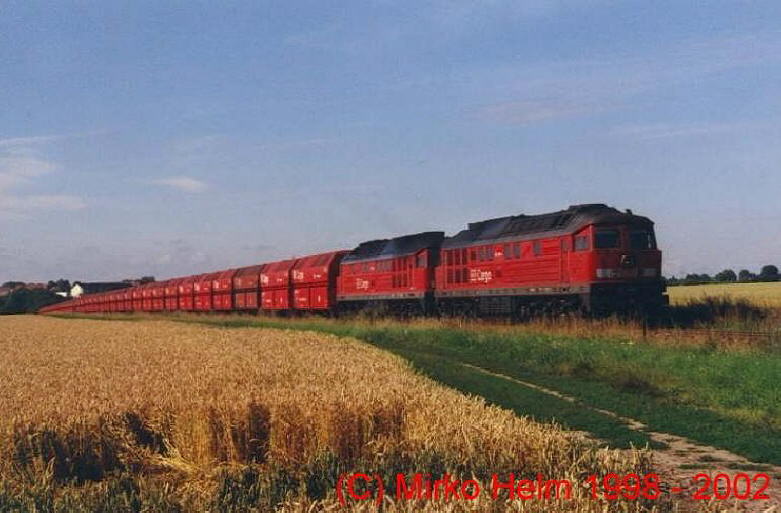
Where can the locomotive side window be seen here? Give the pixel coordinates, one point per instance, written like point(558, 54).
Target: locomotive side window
point(642, 239)
point(581, 243)
point(537, 248)
point(517, 250)
point(607, 239)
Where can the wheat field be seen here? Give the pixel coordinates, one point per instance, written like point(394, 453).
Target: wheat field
point(764, 294)
point(99, 415)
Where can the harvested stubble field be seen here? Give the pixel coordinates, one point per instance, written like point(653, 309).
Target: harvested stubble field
point(158, 416)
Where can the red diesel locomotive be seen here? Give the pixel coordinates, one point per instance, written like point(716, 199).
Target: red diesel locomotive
point(589, 258)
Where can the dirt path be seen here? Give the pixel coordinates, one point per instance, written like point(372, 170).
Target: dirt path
point(683, 458)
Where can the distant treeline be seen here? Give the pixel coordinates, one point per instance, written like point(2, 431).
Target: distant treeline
point(21, 298)
point(768, 273)
point(27, 301)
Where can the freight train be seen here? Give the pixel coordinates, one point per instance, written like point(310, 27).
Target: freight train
point(590, 258)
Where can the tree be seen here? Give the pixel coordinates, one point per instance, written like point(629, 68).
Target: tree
point(769, 273)
point(147, 279)
point(726, 275)
point(697, 278)
point(61, 285)
point(746, 275)
point(13, 284)
point(28, 301)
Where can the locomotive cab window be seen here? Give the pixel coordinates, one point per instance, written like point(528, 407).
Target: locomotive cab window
point(642, 239)
point(607, 239)
point(581, 243)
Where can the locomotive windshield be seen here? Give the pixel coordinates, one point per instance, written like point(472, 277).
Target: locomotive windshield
point(642, 239)
point(607, 239)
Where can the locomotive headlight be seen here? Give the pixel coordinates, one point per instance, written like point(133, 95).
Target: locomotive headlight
point(607, 273)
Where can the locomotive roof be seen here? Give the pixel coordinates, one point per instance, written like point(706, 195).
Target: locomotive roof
point(386, 248)
point(563, 221)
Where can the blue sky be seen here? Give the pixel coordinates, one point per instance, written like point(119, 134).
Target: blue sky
point(176, 137)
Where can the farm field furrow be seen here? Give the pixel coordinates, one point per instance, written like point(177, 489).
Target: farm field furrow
point(161, 416)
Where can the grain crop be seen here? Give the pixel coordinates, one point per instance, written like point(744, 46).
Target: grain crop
point(135, 416)
point(763, 294)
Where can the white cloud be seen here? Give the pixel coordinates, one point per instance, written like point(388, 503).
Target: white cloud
point(448, 19)
point(17, 169)
point(21, 166)
point(569, 89)
point(26, 142)
point(182, 183)
point(42, 202)
point(669, 130)
point(533, 111)
point(462, 15)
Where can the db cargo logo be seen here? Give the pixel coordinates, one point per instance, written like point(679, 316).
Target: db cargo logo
point(478, 276)
point(361, 284)
point(298, 275)
point(264, 279)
